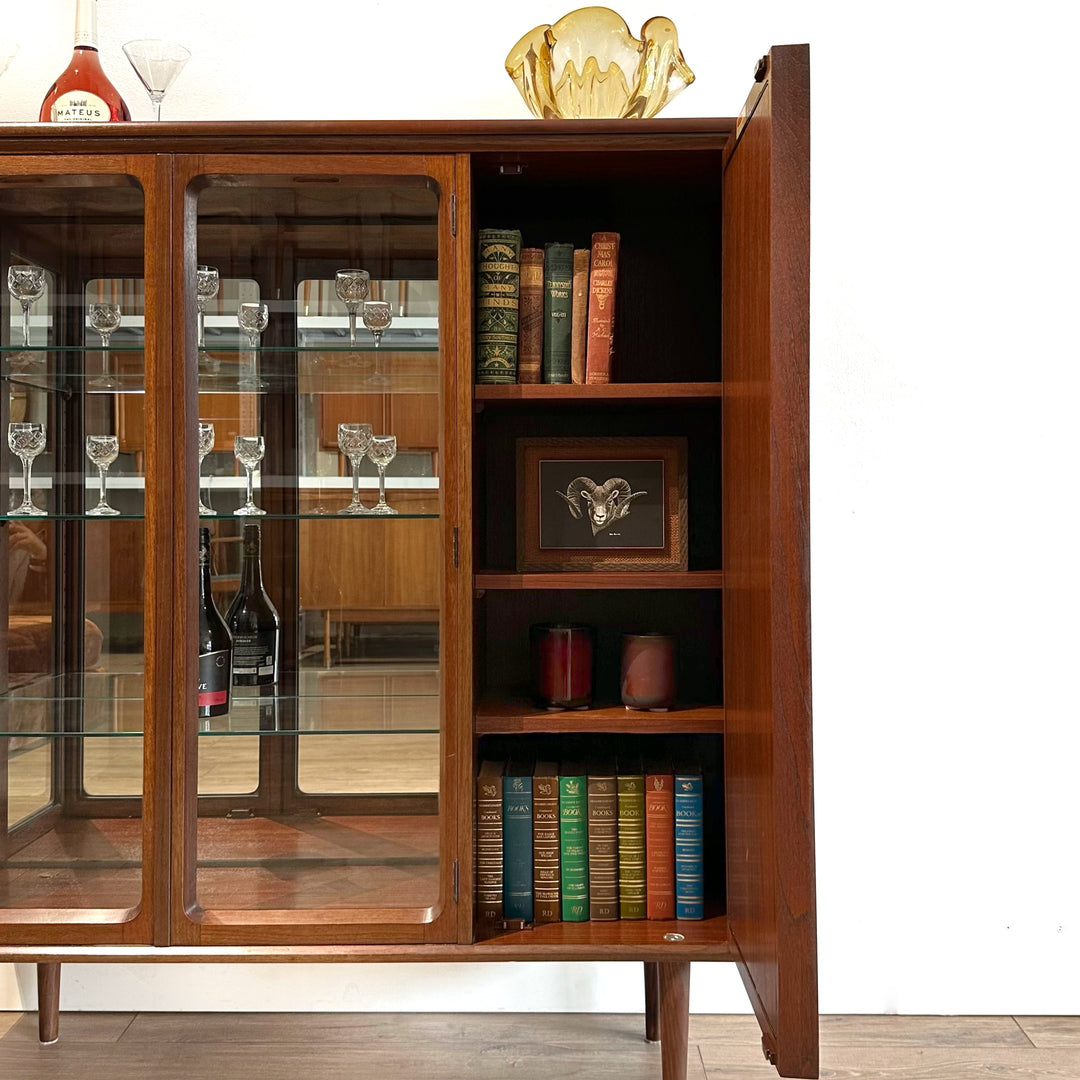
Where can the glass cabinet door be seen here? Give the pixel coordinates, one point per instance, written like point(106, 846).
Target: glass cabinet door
point(318, 348)
point(74, 732)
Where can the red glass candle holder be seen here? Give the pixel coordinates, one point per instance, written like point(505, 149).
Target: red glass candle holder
point(648, 672)
point(563, 665)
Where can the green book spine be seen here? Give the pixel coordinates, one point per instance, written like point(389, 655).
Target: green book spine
point(631, 846)
point(573, 847)
point(558, 311)
point(498, 276)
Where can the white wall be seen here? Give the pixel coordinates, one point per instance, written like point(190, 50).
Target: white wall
point(944, 465)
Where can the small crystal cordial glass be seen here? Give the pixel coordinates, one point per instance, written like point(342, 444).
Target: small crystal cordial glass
point(382, 451)
point(352, 290)
point(353, 441)
point(26, 284)
point(206, 444)
point(102, 450)
point(207, 283)
point(249, 450)
point(253, 320)
point(26, 441)
point(104, 319)
point(377, 318)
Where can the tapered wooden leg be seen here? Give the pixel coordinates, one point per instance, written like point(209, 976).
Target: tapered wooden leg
point(674, 1018)
point(48, 997)
point(652, 1001)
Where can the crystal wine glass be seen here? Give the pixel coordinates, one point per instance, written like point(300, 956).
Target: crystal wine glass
point(253, 319)
point(352, 290)
point(382, 451)
point(377, 318)
point(27, 284)
point(157, 63)
point(26, 441)
point(206, 444)
point(105, 319)
point(207, 284)
point(353, 441)
point(249, 450)
point(102, 451)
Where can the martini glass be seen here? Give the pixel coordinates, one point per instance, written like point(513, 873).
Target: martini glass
point(352, 290)
point(157, 63)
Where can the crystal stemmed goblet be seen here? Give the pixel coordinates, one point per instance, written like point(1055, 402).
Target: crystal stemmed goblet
point(102, 451)
point(105, 320)
point(207, 284)
point(353, 441)
point(26, 441)
point(206, 444)
point(377, 318)
point(253, 319)
point(249, 450)
point(157, 63)
point(352, 290)
point(27, 284)
point(382, 451)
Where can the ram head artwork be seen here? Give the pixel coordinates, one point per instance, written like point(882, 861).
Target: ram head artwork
point(604, 503)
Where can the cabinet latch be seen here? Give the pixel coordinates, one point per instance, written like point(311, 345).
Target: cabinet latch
point(455, 545)
point(453, 214)
point(455, 881)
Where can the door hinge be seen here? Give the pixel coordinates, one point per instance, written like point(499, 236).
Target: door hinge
point(456, 546)
point(455, 881)
point(453, 214)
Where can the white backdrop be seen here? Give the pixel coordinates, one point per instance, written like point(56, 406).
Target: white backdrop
point(944, 390)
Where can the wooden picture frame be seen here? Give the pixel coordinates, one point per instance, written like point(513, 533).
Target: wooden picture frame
point(633, 517)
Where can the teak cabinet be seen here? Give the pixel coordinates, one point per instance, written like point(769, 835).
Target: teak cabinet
point(331, 816)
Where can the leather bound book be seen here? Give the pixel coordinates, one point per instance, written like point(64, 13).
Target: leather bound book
point(497, 281)
point(517, 795)
point(600, 347)
point(579, 315)
point(546, 876)
point(630, 784)
point(659, 842)
point(558, 301)
point(689, 844)
point(531, 316)
point(603, 844)
point(489, 843)
point(573, 843)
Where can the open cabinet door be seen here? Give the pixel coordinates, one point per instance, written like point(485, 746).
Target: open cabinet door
point(766, 515)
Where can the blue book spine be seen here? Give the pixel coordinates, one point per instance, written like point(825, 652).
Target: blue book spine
point(518, 848)
point(689, 847)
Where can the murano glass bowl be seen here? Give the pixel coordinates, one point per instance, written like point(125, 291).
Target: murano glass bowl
point(589, 65)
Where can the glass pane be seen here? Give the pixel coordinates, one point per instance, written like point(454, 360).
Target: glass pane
point(73, 595)
point(334, 803)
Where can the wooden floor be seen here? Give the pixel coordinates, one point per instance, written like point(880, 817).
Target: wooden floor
point(533, 1046)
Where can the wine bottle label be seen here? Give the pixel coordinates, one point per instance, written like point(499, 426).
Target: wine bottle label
point(255, 654)
point(214, 678)
point(79, 107)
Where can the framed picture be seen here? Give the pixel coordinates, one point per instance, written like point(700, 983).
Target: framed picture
point(601, 504)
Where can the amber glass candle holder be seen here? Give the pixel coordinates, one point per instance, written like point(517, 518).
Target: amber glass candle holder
point(562, 665)
point(648, 672)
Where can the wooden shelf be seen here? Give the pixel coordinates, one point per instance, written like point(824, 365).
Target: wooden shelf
point(671, 393)
point(602, 579)
point(510, 716)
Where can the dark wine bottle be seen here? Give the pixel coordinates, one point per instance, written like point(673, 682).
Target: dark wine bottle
point(253, 620)
point(215, 643)
point(83, 94)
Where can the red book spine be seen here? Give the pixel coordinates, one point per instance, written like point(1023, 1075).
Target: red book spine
point(600, 347)
point(489, 843)
point(531, 315)
point(660, 846)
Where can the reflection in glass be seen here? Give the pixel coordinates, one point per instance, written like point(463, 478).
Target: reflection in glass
point(26, 441)
point(249, 450)
point(102, 451)
point(206, 444)
point(27, 284)
point(353, 442)
point(382, 451)
point(157, 63)
point(352, 291)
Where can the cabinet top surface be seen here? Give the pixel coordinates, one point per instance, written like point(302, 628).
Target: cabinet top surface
point(345, 136)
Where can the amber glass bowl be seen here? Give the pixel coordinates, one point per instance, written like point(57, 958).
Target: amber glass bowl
point(589, 65)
